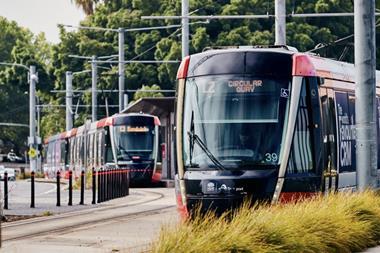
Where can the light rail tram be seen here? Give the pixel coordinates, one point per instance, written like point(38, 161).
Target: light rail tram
point(264, 123)
point(123, 141)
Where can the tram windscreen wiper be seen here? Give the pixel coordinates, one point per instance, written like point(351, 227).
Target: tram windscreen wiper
point(123, 151)
point(194, 138)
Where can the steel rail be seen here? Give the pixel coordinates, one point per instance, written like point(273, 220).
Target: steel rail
point(93, 222)
point(80, 212)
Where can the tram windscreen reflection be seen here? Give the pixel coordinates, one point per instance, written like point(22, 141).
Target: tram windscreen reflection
point(239, 118)
point(133, 141)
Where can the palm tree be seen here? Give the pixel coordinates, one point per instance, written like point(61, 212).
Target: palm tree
point(86, 5)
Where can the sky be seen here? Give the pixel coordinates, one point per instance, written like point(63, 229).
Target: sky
point(42, 15)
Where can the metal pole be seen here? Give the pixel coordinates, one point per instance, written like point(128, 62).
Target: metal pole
point(69, 100)
point(38, 118)
point(121, 69)
point(365, 67)
point(93, 186)
point(70, 188)
point(82, 179)
point(6, 190)
point(280, 26)
point(185, 28)
point(94, 101)
point(32, 190)
point(32, 114)
point(107, 109)
point(126, 100)
point(58, 188)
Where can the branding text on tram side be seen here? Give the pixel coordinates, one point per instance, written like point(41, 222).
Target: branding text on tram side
point(347, 134)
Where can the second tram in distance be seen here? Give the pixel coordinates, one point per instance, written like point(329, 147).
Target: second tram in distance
point(124, 141)
point(264, 123)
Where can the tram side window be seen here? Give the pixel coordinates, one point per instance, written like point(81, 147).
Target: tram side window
point(100, 148)
point(76, 153)
point(63, 152)
point(81, 151)
point(300, 160)
point(49, 156)
point(95, 150)
point(68, 158)
point(57, 152)
point(90, 150)
point(109, 155)
point(71, 155)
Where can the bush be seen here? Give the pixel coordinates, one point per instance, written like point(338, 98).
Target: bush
point(339, 223)
point(27, 174)
point(88, 181)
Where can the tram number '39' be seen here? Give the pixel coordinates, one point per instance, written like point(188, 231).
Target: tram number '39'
point(271, 157)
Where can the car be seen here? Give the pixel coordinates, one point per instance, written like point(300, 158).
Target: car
point(11, 173)
point(12, 157)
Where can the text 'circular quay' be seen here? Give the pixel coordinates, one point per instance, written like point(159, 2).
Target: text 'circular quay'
point(190, 126)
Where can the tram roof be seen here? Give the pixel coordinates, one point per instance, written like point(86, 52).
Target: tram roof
point(304, 64)
point(97, 124)
point(158, 106)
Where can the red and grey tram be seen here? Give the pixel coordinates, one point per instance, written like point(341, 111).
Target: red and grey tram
point(124, 141)
point(268, 124)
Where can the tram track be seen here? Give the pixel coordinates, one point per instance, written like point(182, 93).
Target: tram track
point(68, 229)
point(64, 223)
point(80, 212)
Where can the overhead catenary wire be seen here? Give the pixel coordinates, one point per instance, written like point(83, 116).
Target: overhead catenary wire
point(336, 41)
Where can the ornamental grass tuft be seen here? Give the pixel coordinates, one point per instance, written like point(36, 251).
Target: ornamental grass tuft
point(343, 222)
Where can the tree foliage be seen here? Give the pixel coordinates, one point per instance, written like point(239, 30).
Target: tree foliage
point(148, 91)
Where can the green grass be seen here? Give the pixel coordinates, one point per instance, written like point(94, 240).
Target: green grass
point(47, 213)
point(338, 223)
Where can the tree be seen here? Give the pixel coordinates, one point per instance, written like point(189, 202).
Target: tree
point(148, 91)
point(304, 34)
point(86, 5)
point(18, 45)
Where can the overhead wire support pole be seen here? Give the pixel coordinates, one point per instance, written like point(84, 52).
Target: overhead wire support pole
point(185, 28)
point(69, 100)
point(94, 101)
point(280, 23)
point(365, 90)
point(121, 54)
point(69, 97)
point(121, 69)
point(33, 79)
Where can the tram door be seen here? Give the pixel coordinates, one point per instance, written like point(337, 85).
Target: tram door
point(329, 175)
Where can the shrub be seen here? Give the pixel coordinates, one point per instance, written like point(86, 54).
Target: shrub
point(338, 223)
point(88, 181)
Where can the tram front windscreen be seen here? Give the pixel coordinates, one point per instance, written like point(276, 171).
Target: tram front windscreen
point(233, 121)
point(134, 142)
